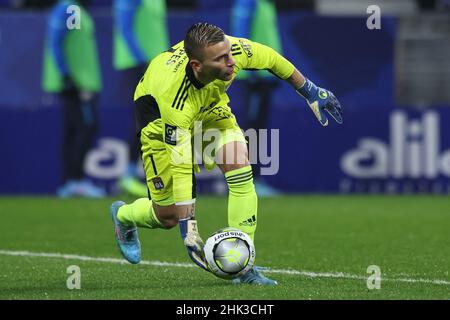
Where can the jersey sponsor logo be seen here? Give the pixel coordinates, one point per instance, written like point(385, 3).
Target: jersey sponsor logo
point(247, 48)
point(158, 183)
point(171, 134)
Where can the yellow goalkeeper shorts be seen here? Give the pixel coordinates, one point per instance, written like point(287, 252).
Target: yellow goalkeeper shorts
point(156, 159)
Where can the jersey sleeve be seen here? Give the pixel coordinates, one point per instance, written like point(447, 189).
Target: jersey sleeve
point(177, 139)
point(251, 55)
point(57, 31)
point(125, 12)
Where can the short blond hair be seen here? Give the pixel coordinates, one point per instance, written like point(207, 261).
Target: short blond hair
point(201, 35)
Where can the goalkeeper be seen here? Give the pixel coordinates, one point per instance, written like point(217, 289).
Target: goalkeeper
point(188, 84)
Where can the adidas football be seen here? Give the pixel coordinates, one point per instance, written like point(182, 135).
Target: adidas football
point(229, 253)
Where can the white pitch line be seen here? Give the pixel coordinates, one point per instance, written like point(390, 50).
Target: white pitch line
point(308, 274)
point(342, 275)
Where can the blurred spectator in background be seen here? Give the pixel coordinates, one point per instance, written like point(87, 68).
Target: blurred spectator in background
point(30, 4)
point(140, 33)
point(427, 4)
point(257, 21)
point(71, 69)
point(444, 5)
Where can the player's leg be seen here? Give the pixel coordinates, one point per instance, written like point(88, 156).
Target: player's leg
point(146, 213)
point(259, 96)
point(242, 198)
point(159, 212)
point(80, 122)
point(70, 122)
point(163, 208)
point(141, 213)
point(232, 158)
point(87, 129)
point(70, 106)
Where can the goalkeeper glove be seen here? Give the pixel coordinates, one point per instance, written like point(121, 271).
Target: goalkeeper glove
point(193, 242)
point(321, 100)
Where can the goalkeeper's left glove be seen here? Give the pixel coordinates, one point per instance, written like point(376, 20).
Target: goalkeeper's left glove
point(193, 242)
point(321, 100)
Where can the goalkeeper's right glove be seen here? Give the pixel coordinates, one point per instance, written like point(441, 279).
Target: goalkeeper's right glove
point(320, 100)
point(193, 242)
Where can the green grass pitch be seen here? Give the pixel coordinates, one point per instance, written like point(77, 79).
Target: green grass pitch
point(318, 247)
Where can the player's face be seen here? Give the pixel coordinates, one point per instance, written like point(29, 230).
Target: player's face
point(217, 62)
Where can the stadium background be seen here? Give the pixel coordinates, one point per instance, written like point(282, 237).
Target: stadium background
point(337, 52)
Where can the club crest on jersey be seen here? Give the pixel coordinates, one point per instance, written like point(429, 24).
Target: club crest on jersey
point(171, 135)
point(158, 183)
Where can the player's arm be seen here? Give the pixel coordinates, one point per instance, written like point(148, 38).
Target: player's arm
point(258, 56)
point(125, 11)
point(318, 99)
point(57, 32)
point(192, 239)
point(177, 139)
point(241, 17)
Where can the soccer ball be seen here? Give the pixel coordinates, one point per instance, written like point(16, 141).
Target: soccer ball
point(229, 253)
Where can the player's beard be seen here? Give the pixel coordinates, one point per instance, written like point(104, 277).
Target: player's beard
point(218, 73)
point(225, 76)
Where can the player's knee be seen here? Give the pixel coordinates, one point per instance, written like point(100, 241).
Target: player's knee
point(232, 166)
point(170, 223)
point(168, 220)
point(232, 156)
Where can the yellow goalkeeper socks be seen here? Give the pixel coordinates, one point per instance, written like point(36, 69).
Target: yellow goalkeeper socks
point(139, 213)
point(242, 200)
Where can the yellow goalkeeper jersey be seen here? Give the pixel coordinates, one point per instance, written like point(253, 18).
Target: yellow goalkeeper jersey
point(169, 100)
